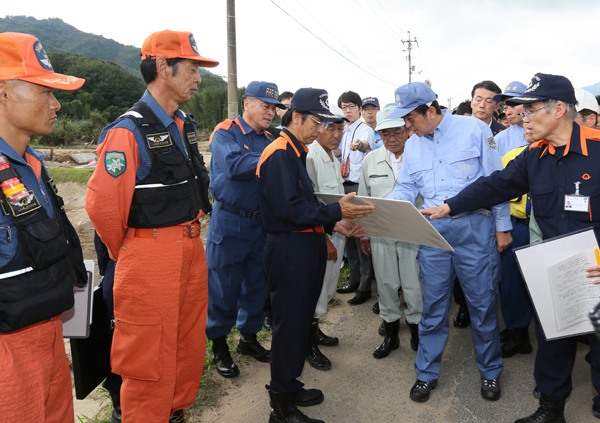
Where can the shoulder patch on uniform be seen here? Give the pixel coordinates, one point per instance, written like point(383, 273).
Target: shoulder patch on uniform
point(159, 140)
point(192, 138)
point(115, 163)
point(491, 142)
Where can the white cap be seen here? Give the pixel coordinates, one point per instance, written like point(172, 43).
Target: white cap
point(586, 100)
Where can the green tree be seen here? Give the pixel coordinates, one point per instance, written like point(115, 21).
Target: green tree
point(108, 88)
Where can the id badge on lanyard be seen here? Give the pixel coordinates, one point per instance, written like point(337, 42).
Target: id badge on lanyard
point(577, 202)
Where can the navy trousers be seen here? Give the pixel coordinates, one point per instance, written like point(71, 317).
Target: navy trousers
point(295, 267)
point(113, 381)
point(554, 362)
point(514, 299)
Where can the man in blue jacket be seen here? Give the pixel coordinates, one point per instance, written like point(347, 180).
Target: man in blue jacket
point(235, 240)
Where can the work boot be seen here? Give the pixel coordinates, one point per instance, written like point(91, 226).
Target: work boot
point(307, 397)
point(506, 335)
point(360, 297)
point(462, 319)
point(549, 412)
point(381, 329)
point(518, 343)
point(268, 323)
point(222, 358)
point(179, 416)
point(414, 335)
point(314, 356)
point(347, 289)
point(421, 390)
point(248, 345)
point(391, 340)
point(284, 410)
point(115, 417)
point(327, 341)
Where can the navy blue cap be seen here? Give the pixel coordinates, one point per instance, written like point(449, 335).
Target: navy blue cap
point(544, 86)
point(370, 100)
point(265, 91)
point(513, 89)
point(315, 101)
point(410, 96)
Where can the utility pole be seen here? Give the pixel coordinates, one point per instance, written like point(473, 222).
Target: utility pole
point(409, 48)
point(232, 95)
point(450, 104)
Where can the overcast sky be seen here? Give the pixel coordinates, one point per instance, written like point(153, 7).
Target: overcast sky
point(460, 42)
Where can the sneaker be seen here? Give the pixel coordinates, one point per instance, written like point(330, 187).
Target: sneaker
point(490, 389)
point(420, 390)
point(537, 393)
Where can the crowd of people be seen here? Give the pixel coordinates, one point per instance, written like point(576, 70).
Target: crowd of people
point(487, 174)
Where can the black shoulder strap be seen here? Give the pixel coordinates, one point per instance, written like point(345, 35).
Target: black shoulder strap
point(142, 115)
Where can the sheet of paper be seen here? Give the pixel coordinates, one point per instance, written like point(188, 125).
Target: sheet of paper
point(393, 219)
point(534, 261)
point(573, 294)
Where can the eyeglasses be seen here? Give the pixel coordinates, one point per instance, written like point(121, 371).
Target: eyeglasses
point(370, 109)
point(322, 125)
point(349, 107)
point(396, 134)
point(527, 114)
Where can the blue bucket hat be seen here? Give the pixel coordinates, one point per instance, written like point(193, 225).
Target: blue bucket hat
point(265, 91)
point(410, 96)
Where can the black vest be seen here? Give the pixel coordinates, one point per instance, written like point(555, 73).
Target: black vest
point(37, 283)
point(176, 189)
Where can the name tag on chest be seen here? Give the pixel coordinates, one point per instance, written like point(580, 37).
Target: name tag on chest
point(577, 203)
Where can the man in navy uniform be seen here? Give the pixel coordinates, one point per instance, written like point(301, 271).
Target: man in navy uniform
point(235, 238)
point(295, 254)
point(564, 157)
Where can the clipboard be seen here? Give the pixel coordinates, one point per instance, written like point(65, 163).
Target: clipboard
point(533, 263)
point(77, 320)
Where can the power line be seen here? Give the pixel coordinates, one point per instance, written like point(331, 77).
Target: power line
point(377, 22)
point(388, 16)
point(381, 21)
point(314, 35)
point(342, 44)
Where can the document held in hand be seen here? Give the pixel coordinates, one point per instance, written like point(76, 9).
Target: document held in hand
point(394, 219)
point(554, 273)
point(573, 293)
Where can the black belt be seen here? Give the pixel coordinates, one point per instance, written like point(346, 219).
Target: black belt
point(234, 210)
point(523, 221)
point(350, 183)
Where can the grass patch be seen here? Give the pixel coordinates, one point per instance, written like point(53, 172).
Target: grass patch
point(344, 276)
point(79, 176)
point(334, 302)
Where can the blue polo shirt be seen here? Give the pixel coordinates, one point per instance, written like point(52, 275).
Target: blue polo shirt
point(236, 149)
point(549, 173)
point(285, 191)
point(438, 167)
point(509, 139)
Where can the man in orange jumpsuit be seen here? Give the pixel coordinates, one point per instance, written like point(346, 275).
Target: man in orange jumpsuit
point(145, 199)
point(35, 382)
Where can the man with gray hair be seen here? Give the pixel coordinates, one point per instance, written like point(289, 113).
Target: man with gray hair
point(235, 239)
point(563, 161)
